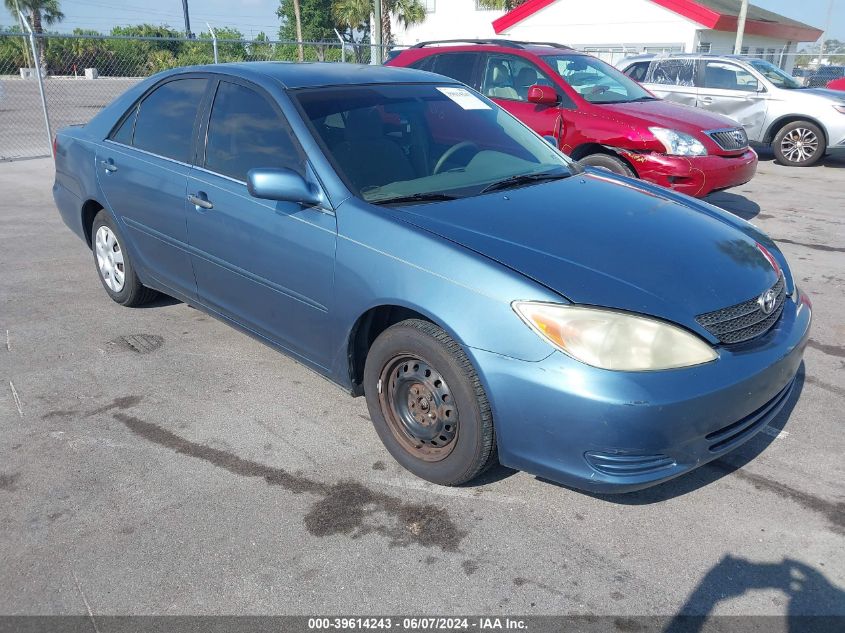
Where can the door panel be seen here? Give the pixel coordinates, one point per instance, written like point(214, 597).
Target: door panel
point(267, 265)
point(147, 195)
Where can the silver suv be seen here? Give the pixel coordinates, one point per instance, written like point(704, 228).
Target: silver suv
point(801, 124)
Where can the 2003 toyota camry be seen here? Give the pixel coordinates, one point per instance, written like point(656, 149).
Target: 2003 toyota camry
point(413, 242)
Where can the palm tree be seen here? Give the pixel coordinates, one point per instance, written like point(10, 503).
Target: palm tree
point(38, 13)
point(300, 54)
point(406, 13)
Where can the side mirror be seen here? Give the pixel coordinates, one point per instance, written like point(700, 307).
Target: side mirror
point(284, 185)
point(551, 140)
point(543, 95)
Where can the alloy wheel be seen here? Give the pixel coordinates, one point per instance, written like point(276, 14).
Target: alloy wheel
point(799, 145)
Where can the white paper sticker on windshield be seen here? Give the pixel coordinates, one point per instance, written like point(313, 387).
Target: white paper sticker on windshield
point(464, 98)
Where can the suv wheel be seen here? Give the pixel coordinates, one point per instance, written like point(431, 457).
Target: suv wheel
point(608, 162)
point(799, 144)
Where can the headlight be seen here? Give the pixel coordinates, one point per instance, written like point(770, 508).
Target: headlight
point(678, 143)
point(614, 340)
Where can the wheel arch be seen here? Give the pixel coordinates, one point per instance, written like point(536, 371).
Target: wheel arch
point(367, 328)
point(588, 149)
point(786, 119)
point(89, 211)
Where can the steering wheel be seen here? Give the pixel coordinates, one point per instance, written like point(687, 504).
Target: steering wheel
point(451, 152)
point(598, 90)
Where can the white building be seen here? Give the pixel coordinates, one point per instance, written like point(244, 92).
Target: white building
point(614, 29)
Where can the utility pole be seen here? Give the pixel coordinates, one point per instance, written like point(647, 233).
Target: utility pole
point(740, 27)
point(187, 18)
point(377, 34)
point(826, 31)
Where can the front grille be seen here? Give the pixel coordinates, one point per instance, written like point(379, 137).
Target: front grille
point(729, 436)
point(731, 139)
point(746, 320)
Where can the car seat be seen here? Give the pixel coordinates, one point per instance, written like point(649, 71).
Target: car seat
point(499, 83)
point(367, 156)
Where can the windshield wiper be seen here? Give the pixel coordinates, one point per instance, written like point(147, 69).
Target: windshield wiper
point(416, 197)
point(525, 179)
point(642, 99)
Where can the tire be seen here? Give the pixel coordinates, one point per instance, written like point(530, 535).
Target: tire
point(114, 265)
point(793, 142)
point(451, 440)
point(608, 162)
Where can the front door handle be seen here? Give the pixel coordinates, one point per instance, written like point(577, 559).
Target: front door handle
point(108, 165)
point(200, 200)
point(707, 100)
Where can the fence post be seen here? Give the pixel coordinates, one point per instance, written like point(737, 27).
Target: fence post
point(213, 41)
point(37, 61)
point(342, 46)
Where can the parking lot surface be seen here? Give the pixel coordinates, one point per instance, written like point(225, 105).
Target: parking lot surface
point(156, 461)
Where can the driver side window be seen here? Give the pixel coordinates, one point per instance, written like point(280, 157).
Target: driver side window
point(724, 76)
point(510, 77)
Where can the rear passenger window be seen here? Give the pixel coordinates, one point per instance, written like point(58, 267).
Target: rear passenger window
point(672, 72)
point(123, 134)
point(245, 132)
point(165, 120)
point(456, 65)
point(426, 63)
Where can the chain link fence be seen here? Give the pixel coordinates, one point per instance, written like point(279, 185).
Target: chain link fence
point(83, 73)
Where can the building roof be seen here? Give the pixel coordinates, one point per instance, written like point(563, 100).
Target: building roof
point(719, 15)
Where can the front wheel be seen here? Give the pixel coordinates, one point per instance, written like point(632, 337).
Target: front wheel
point(608, 162)
point(799, 144)
point(427, 404)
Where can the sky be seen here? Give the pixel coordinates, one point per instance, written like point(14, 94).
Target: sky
point(254, 16)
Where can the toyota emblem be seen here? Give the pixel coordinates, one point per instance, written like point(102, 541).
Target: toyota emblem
point(767, 301)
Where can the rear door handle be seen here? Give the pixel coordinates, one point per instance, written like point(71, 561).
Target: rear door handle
point(707, 100)
point(201, 200)
point(108, 165)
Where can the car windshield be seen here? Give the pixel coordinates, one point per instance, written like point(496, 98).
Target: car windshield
point(774, 74)
point(413, 143)
point(595, 80)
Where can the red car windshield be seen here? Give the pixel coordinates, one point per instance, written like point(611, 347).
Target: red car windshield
point(596, 81)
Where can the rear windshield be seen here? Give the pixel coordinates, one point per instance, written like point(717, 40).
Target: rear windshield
point(595, 80)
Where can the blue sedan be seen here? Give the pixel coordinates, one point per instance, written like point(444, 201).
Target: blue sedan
point(413, 242)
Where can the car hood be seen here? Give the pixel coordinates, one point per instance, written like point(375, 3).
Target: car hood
point(826, 95)
point(671, 115)
point(602, 240)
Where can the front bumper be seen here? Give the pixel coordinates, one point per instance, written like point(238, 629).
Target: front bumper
point(696, 176)
point(607, 431)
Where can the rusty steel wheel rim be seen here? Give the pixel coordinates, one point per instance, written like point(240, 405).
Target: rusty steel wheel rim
point(419, 408)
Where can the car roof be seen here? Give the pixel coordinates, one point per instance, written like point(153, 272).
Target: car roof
point(317, 74)
point(494, 45)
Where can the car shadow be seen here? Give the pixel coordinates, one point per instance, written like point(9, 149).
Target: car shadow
point(734, 203)
point(814, 603)
point(161, 301)
point(712, 471)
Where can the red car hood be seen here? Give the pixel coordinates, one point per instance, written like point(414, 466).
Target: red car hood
point(674, 116)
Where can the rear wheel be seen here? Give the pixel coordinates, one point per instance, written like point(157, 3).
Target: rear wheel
point(114, 266)
point(427, 404)
point(608, 162)
point(799, 144)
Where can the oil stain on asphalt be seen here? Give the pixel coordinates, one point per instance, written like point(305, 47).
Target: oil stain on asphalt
point(346, 507)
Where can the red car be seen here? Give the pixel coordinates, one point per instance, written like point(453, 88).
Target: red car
point(595, 113)
point(837, 84)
